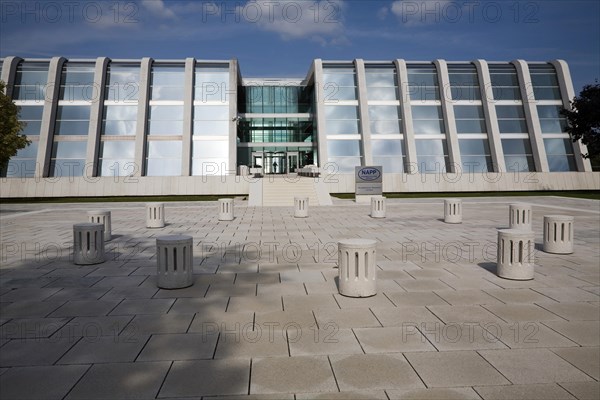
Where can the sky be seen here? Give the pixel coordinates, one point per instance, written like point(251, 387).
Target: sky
point(280, 38)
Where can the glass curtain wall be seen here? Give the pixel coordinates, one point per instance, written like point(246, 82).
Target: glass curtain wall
point(428, 120)
point(514, 134)
point(385, 117)
point(470, 121)
point(28, 94)
point(558, 144)
point(119, 120)
point(210, 139)
point(69, 147)
point(342, 129)
point(165, 120)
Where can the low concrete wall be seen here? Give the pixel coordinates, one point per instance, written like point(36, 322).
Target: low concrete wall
point(344, 183)
point(123, 186)
point(337, 183)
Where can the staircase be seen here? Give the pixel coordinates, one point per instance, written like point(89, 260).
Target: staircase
point(275, 190)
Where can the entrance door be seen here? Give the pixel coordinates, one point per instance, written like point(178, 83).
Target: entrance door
point(257, 159)
point(292, 162)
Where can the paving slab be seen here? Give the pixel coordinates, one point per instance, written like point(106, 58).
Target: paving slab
point(525, 366)
point(179, 347)
point(105, 349)
point(40, 382)
point(583, 390)
point(585, 333)
point(434, 394)
point(121, 381)
point(247, 341)
point(584, 358)
point(374, 371)
point(33, 352)
point(346, 318)
point(524, 392)
point(292, 375)
point(455, 369)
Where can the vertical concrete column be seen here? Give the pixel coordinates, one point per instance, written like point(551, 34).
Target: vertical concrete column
point(188, 109)
point(9, 71)
point(49, 117)
point(489, 111)
point(319, 111)
point(232, 93)
point(567, 93)
point(410, 147)
point(96, 110)
point(142, 117)
point(363, 112)
point(449, 120)
point(531, 116)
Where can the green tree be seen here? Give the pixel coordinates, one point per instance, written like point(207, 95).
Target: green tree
point(584, 121)
point(11, 138)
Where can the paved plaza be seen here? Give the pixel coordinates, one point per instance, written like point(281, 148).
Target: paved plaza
point(264, 319)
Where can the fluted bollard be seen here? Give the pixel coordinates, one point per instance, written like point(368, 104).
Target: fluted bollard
point(377, 207)
point(558, 234)
point(300, 207)
point(357, 267)
point(519, 216)
point(516, 256)
point(225, 209)
point(102, 217)
point(155, 215)
point(174, 261)
point(88, 243)
point(453, 211)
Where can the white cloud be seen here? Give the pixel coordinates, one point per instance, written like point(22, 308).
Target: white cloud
point(158, 8)
point(320, 21)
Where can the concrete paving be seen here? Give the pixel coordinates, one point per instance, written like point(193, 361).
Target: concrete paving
point(264, 318)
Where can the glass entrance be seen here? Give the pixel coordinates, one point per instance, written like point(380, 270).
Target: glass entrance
point(276, 162)
point(292, 162)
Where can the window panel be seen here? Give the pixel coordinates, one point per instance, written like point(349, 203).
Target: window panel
point(211, 128)
point(510, 112)
point(341, 112)
point(164, 149)
point(428, 127)
point(390, 164)
point(382, 93)
point(384, 112)
point(385, 127)
point(71, 128)
point(512, 126)
point(210, 149)
point(431, 147)
point(387, 147)
point(341, 148)
point(427, 112)
point(211, 113)
point(468, 112)
point(69, 149)
point(341, 127)
point(470, 126)
point(163, 167)
point(73, 113)
point(117, 149)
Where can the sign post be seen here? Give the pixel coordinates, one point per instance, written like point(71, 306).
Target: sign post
point(368, 182)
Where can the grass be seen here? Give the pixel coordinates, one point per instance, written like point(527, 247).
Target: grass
point(582, 194)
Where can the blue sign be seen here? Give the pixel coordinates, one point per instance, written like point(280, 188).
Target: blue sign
point(369, 174)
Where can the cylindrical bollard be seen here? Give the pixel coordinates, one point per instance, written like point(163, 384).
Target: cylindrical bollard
point(558, 234)
point(102, 217)
point(357, 274)
point(519, 216)
point(88, 243)
point(225, 209)
point(300, 207)
point(453, 211)
point(516, 257)
point(155, 215)
point(174, 262)
point(377, 207)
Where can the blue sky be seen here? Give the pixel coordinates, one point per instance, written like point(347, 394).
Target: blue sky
point(279, 38)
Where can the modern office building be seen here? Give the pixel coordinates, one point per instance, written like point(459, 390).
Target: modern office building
point(148, 127)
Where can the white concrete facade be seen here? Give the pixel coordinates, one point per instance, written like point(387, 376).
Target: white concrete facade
point(222, 179)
